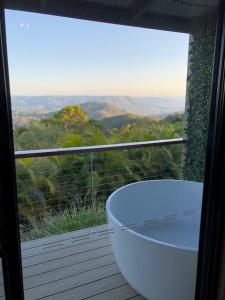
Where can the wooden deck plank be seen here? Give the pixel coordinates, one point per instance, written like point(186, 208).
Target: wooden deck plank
point(139, 297)
point(119, 293)
point(68, 243)
point(48, 277)
point(2, 291)
point(75, 265)
point(58, 254)
point(65, 261)
point(71, 282)
point(91, 289)
point(60, 237)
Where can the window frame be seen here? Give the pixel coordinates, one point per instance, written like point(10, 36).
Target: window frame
point(9, 219)
point(211, 275)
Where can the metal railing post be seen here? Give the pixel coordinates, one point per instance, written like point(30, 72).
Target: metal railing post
point(93, 198)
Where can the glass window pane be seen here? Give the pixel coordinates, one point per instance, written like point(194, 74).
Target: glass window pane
point(84, 83)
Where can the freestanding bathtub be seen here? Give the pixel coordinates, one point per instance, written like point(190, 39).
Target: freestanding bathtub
point(155, 231)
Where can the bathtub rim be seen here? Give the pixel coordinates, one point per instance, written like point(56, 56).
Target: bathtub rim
point(139, 235)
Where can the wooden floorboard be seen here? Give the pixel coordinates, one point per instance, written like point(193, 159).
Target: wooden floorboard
point(65, 261)
point(2, 292)
point(138, 297)
point(70, 270)
point(72, 282)
point(90, 289)
point(76, 265)
point(60, 237)
point(119, 293)
point(63, 253)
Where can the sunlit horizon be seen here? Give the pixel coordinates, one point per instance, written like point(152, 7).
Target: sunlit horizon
point(57, 56)
point(97, 95)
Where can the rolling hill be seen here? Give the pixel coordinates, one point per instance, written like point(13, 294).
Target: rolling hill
point(101, 110)
point(123, 120)
point(145, 106)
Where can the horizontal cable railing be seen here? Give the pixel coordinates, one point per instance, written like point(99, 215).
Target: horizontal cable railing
point(99, 148)
point(62, 190)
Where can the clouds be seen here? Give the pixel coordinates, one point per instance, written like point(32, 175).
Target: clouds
point(24, 25)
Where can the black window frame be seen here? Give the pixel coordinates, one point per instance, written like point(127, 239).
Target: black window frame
point(9, 220)
point(210, 282)
point(211, 261)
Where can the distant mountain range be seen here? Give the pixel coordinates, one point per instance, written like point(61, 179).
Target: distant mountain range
point(99, 106)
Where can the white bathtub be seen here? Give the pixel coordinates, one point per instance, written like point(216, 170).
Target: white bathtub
point(155, 227)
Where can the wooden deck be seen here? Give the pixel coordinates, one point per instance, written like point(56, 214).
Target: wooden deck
point(76, 265)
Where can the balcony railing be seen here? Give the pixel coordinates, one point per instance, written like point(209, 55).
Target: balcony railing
point(65, 189)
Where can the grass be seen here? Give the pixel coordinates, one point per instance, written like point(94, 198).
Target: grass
point(69, 220)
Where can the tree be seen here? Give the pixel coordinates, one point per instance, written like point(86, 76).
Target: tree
point(50, 186)
point(72, 115)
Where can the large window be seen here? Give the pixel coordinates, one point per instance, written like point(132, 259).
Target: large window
point(98, 108)
point(76, 82)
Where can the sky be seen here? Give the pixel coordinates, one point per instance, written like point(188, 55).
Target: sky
point(51, 55)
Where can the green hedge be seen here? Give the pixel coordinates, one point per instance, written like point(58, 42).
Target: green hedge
point(200, 66)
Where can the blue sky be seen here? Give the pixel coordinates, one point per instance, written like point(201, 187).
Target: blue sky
point(51, 55)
